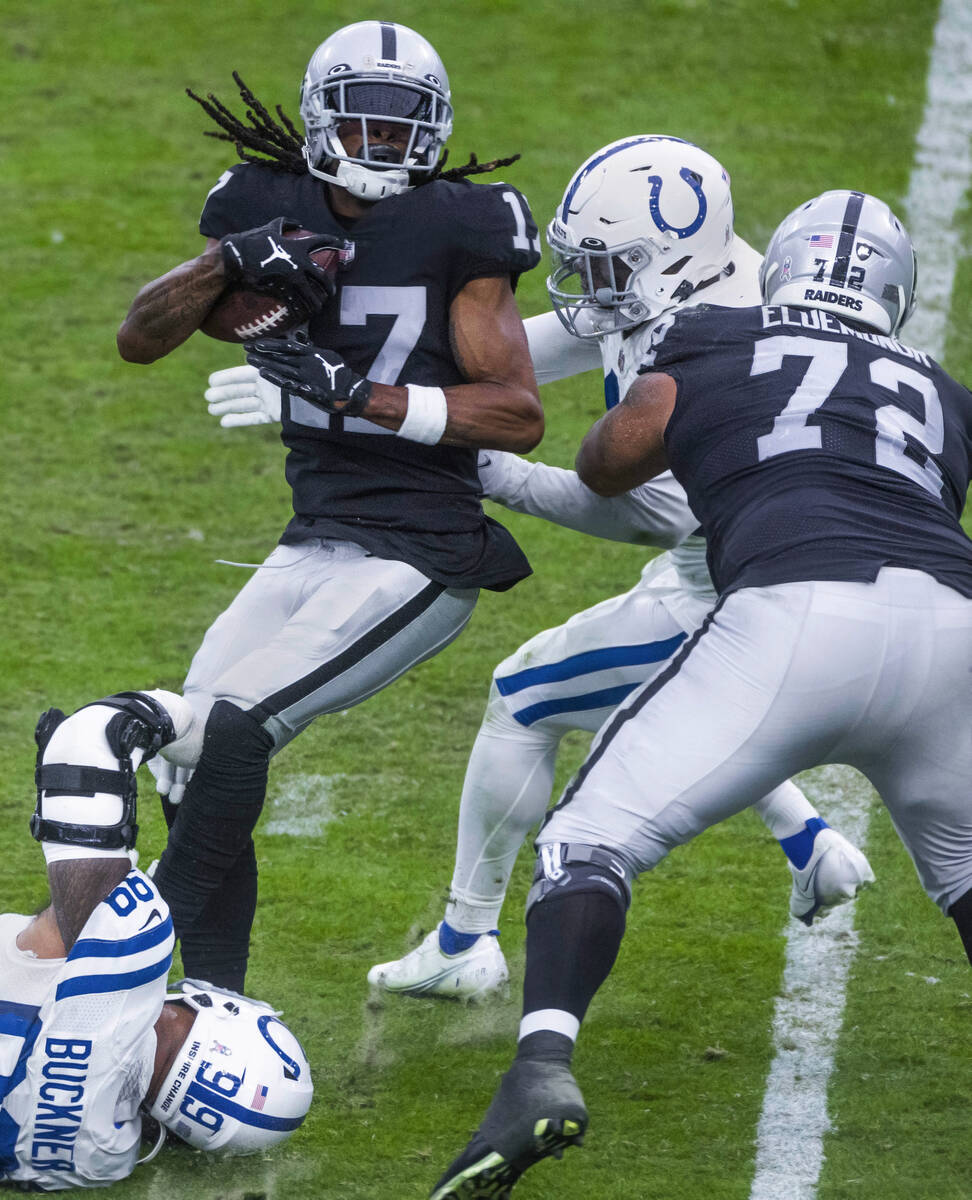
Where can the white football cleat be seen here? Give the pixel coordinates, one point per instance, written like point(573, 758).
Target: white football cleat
point(427, 971)
point(835, 872)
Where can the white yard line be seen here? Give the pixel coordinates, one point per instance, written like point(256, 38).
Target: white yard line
point(940, 175)
point(809, 1010)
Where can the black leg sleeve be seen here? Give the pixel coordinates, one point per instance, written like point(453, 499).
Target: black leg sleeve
point(572, 943)
point(217, 946)
point(961, 914)
point(215, 821)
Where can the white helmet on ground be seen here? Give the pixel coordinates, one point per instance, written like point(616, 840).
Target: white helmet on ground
point(643, 224)
point(367, 70)
point(845, 252)
point(240, 1082)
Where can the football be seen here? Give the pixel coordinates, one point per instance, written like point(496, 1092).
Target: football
point(240, 314)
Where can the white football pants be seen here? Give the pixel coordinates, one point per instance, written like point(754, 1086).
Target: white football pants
point(321, 626)
point(570, 677)
point(779, 680)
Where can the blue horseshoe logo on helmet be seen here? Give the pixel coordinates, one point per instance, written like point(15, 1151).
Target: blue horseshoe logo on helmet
point(291, 1066)
point(692, 179)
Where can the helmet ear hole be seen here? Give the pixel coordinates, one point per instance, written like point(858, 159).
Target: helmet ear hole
point(676, 267)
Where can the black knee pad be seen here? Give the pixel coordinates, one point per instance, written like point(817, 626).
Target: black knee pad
point(231, 728)
point(564, 868)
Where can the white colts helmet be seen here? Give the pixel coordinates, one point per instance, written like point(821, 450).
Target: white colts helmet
point(240, 1082)
point(845, 252)
point(368, 70)
point(644, 223)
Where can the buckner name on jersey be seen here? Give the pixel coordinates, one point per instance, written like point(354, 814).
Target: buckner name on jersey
point(78, 1053)
point(413, 254)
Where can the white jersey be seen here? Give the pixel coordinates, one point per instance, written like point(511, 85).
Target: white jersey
point(77, 1042)
point(656, 513)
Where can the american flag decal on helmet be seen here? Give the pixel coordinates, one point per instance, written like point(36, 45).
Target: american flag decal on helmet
point(259, 1097)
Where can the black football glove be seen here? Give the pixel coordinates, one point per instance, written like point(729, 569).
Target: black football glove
point(264, 260)
point(305, 370)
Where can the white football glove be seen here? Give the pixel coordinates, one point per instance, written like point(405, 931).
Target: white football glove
point(496, 472)
point(170, 780)
point(241, 396)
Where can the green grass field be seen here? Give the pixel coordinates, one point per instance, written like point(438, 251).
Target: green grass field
point(119, 492)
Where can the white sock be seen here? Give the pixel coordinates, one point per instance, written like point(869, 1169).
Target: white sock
point(505, 794)
point(785, 810)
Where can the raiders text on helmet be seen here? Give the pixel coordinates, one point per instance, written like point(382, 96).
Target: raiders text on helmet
point(644, 223)
point(240, 1082)
point(845, 252)
point(364, 71)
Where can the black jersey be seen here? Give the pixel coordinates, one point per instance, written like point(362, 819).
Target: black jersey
point(389, 320)
point(811, 449)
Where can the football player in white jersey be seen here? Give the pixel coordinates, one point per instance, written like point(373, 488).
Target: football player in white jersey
point(644, 229)
point(89, 1039)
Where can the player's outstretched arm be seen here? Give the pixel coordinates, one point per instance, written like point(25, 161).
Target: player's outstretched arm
point(626, 447)
point(654, 514)
point(498, 408)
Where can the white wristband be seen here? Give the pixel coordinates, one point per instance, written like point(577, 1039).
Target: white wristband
point(426, 416)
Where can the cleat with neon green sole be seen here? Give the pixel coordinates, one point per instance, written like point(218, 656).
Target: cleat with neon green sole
point(537, 1112)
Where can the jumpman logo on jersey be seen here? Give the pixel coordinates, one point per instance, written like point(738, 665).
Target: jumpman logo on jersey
point(278, 252)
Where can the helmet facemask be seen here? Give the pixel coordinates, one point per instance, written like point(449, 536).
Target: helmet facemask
point(596, 289)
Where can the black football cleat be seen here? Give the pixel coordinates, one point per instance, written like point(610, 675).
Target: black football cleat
point(537, 1112)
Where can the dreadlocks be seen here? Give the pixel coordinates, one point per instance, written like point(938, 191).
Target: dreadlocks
point(279, 144)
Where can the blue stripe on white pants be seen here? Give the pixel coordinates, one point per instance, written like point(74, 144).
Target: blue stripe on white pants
point(606, 659)
point(586, 663)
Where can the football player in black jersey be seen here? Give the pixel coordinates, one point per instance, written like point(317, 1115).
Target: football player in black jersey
point(417, 359)
point(828, 464)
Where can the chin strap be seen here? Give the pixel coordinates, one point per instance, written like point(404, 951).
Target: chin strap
point(159, 1143)
point(360, 181)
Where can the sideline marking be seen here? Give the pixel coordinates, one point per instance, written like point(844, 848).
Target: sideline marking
point(809, 1010)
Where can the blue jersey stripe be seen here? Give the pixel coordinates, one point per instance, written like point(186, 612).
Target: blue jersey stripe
point(85, 985)
point(608, 698)
point(221, 1103)
point(9, 1133)
point(588, 662)
point(104, 948)
point(9, 1082)
point(16, 1018)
